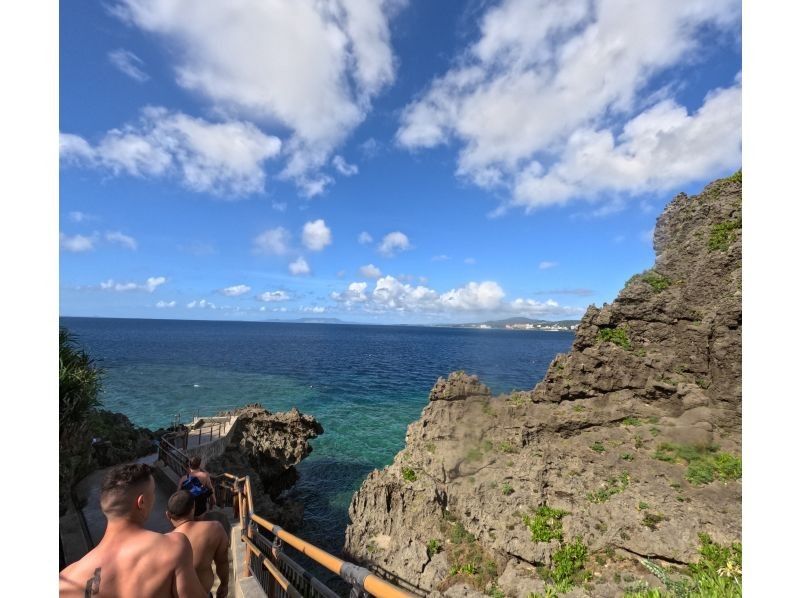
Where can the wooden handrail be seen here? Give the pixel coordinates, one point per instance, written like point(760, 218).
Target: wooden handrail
point(350, 573)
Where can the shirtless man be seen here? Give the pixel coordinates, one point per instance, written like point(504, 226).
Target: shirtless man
point(205, 480)
point(130, 560)
point(208, 539)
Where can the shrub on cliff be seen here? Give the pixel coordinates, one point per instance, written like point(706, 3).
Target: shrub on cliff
point(79, 382)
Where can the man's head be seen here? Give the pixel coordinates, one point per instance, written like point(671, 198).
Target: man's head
point(194, 462)
point(128, 491)
point(180, 506)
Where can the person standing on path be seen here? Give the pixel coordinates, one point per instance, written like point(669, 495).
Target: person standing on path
point(208, 539)
point(130, 560)
point(201, 487)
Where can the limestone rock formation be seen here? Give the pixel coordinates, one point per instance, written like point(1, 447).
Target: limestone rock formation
point(631, 441)
point(267, 447)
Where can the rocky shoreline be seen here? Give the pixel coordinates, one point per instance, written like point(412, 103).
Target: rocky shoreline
point(629, 449)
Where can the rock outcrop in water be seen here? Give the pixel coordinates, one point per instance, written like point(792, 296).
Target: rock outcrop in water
point(267, 447)
point(630, 443)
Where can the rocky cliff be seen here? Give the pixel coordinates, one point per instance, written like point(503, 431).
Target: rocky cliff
point(629, 448)
point(267, 447)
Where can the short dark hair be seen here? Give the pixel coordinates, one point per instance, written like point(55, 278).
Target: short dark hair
point(180, 504)
point(119, 484)
point(194, 462)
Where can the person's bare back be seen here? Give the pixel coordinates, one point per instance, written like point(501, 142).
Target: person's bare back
point(138, 563)
point(130, 560)
point(209, 543)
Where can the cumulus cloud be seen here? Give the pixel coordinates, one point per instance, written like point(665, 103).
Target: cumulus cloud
point(129, 63)
point(235, 290)
point(547, 265)
point(165, 304)
point(149, 285)
point(272, 296)
point(486, 297)
point(440, 258)
point(121, 239)
point(224, 159)
point(393, 243)
point(315, 309)
point(299, 267)
point(537, 115)
point(274, 241)
point(365, 238)
point(201, 304)
point(310, 66)
point(75, 243)
point(353, 294)
point(343, 167)
point(316, 235)
point(370, 271)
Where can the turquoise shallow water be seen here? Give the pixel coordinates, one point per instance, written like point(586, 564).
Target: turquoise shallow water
point(364, 384)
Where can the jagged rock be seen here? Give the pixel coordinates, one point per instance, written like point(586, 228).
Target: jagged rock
point(458, 386)
point(267, 447)
point(661, 364)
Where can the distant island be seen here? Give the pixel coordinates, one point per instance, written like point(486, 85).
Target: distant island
point(521, 324)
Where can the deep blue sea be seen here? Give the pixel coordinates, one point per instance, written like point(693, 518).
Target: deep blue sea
point(364, 384)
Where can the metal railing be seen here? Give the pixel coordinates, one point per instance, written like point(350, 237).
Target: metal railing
point(279, 575)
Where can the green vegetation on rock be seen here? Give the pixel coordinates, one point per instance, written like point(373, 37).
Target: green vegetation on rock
point(613, 486)
point(545, 525)
point(409, 475)
point(718, 574)
point(618, 336)
point(434, 546)
point(723, 234)
point(656, 280)
point(704, 464)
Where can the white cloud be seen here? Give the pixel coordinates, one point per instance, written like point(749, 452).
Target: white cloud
point(353, 294)
point(313, 309)
point(235, 290)
point(370, 271)
point(343, 167)
point(308, 65)
point(474, 297)
point(316, 235)
point(81, 217)
point(365, 238)
point(224, 159)
point(274, 241)
point(547, 265)
point(279, 206)
point(440, 258)
point(487, 297)
point(165, 304)
point(121, 239)
point(150, 285)
point(201, 304)
point(393, 243)
point(76, 243)
point(535, 89)
point(272, 296)
point(470, 261)
point(128, 63)
point(299, 267)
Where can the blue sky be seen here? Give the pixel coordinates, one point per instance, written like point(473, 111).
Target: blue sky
point(503, 158)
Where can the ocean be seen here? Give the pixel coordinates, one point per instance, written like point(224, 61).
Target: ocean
point(364, 384)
